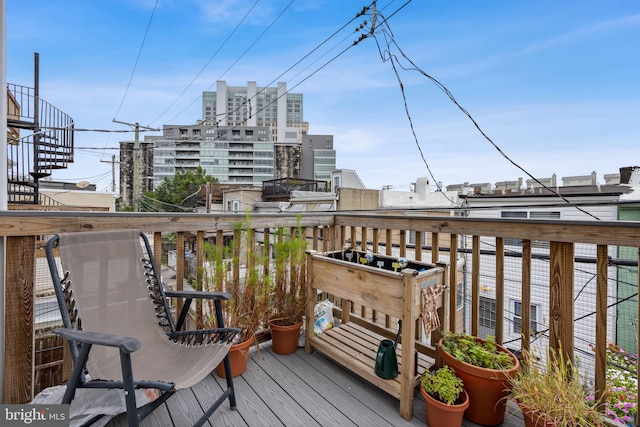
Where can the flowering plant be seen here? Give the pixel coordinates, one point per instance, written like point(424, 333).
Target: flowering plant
point(622, 384)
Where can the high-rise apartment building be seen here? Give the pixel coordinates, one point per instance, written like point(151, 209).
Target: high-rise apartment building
point(236, 155)
point(247, 135)
point(275, 108)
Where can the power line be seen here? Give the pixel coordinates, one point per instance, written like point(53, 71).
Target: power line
point(241, 55)
point(442, 87)
point(361, 13)
point(207, 63)
point(137, 59)
point(104, 130)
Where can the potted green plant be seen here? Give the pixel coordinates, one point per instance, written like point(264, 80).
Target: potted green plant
point(444, 397)
point(553, 395)
point(289, 293)
point(485, 368)
point(249, 290)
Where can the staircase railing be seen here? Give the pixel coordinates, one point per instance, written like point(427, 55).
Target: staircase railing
point(47, 144)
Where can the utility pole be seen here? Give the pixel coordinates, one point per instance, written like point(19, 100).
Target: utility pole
point(137, 186)
point(113, 171)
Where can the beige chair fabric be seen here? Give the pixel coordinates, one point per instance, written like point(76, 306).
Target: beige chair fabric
point(108, 281)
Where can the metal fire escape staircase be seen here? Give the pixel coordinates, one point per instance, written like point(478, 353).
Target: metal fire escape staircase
point(39, 140)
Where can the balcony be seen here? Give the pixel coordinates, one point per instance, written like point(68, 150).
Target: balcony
point(440, 239)
point(282, 188)
point(40, 140)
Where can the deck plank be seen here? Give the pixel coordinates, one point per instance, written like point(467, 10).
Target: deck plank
point(208, 390)
point(251, 409)
point(297, 381)
point(184, 408)
point(354, 396)
point(291, 391)
point(277, 396)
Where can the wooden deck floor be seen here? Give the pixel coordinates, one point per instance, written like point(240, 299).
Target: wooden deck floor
point(294, 390)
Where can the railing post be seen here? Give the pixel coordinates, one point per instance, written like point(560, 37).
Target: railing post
point(525, 303)
point(418, 246)
point(602, 288)
point(19, 319)
point(453, 269)
point(408, 368)
point(475, 285)
point(266, 244)
point(157, 248)
point(354, 237)
point(311, 303)
point(435, 249)
point(199, 277)
point(376, 240)
point(561, 298)
point(364, 239)
point(499, 290)
point(314, 243)
point(403, 243)
point(388, 251)
point(179, 269)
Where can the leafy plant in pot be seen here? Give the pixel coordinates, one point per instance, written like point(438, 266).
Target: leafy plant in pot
point(249, 293)
point(444, 396)
point(485, 368)
point(553, 395)
point(289, 293)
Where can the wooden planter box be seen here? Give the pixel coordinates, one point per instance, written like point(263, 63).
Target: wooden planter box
point(377, 286)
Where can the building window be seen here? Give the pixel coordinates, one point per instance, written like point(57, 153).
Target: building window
point(488, 313)
point(412, 236)
point(517, 318)
point(513, 214)
point(233, 206)
point(459, 296)
point(530, 215)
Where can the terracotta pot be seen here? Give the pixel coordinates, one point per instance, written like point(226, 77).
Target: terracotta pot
point(284, 339)
point(488, 388)
point(238, 355)
point(533, 419)
point(440, 414)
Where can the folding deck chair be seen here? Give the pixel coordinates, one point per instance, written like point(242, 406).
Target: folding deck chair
point(119, 326)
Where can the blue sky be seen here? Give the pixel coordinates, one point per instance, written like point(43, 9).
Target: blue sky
point(554, 84)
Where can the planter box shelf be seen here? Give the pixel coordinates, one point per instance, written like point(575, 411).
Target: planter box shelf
point(378, 287)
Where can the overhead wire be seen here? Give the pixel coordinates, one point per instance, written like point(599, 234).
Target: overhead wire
point(126, 91)
point(402, 91)
point(166, 203)
point(393, 59)
point(253, 44)
point(208, 62)
point(290, 88)
point(135, 65)
point(241, 55)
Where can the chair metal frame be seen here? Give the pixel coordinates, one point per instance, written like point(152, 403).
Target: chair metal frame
point(81, 341)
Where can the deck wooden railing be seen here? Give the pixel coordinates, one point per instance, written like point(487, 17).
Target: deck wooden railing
point(436, 239)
